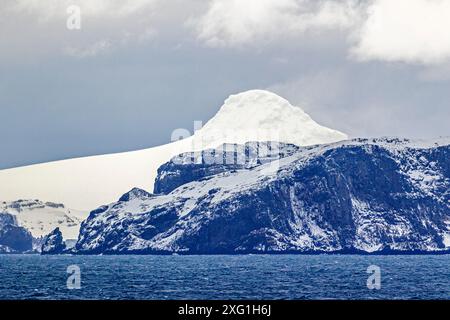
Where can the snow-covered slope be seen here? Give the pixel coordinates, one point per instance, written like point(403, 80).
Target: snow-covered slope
point(41, 218)
point(87, 182)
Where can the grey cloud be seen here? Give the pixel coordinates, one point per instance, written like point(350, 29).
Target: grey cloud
point(144, 85)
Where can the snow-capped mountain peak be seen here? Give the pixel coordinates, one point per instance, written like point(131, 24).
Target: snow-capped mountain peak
point(134, 193)
point(260, 115)
point(86, 183)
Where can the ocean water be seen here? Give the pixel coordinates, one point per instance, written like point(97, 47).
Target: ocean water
point(225, 277)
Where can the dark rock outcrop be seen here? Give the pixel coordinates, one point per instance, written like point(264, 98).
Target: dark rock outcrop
point(13, 238)
point(194, 166)
point(54, 243)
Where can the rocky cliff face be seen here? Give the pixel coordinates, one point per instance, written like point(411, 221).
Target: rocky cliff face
point(13, 238)
point(378, 195)
point(192, 166)
point(53, 243)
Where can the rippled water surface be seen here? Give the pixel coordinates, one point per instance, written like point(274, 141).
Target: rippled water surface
point(225, 277)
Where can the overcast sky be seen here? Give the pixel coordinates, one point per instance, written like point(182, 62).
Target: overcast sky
point(138, 69)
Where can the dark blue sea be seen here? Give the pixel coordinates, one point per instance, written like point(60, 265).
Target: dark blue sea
point(225, 277)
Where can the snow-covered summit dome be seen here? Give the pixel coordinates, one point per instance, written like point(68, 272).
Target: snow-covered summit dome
point(260, 115)
point(254, 115)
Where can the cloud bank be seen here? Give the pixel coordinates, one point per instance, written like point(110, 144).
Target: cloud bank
point(412, 31)
point(235, 23)
point(409, 31)
point(139, 68)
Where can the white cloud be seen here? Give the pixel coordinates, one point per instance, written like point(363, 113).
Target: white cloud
point(41, 26)
point(237, 22)
point(412, 31)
